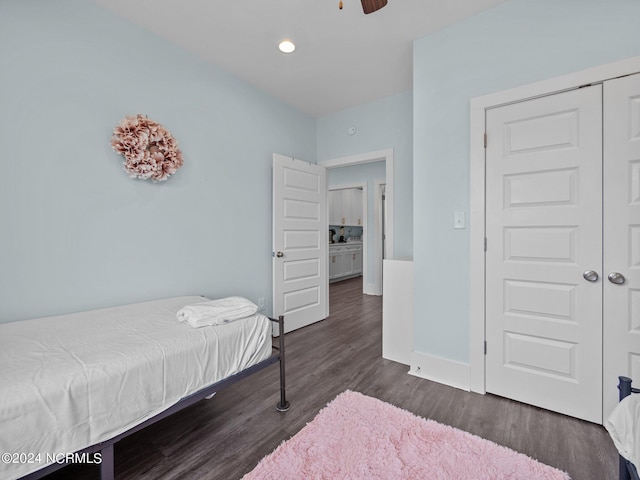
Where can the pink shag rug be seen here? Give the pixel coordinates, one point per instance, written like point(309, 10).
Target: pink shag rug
point(359, 437)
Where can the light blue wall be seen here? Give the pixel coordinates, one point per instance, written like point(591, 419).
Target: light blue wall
point(77, 232)
point(519, 42)
point(367, 173)
point(383, 124)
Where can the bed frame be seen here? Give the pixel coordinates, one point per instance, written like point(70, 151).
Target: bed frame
point(627, 469)
point(106, 448)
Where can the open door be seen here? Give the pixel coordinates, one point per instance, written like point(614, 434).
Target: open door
point(300, 244)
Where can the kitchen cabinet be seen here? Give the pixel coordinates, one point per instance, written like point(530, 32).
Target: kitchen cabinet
point(354, 212)
point(345, 207)
point(352, 262)
point(335, 207)
point(336, 260)
point(345, 260)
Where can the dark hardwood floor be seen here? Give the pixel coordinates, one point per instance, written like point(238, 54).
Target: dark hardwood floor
point(225, 437)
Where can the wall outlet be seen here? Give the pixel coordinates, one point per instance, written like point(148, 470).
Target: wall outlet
point(261, 304)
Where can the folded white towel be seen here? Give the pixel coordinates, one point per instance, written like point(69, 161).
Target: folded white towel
point(217, 312)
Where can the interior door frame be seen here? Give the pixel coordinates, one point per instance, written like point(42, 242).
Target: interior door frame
point(379, 231)
point(370, 157)
point(477, 210)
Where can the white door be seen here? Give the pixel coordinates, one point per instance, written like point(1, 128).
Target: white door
point(622, 230)
point(300, 242)
point(544, 229)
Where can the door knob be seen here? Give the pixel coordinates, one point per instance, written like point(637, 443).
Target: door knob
point(279, 254)
point(590, 276)
point(616, 278)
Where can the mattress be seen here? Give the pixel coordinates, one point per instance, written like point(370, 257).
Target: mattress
point(71, 381)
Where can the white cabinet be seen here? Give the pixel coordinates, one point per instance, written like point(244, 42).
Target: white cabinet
point(345, 206)
point(354, 211)
point(336, 207)
point(336, 258)
point(345, 260)
point(352, 259)
point(347, 263)
point(357, 261)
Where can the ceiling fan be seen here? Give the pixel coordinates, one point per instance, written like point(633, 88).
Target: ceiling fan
point(369, 6)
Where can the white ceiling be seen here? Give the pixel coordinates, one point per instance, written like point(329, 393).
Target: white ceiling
point(343, 58)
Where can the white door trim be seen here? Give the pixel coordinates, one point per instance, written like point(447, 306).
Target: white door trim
point(479, 105)
point(377, 241)
point(369, 157)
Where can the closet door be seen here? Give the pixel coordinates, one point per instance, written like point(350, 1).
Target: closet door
point(544, 231)
point(621, 234)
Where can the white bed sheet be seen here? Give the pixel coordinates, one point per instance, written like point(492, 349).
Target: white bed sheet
point(623, 426)
point(71, 381)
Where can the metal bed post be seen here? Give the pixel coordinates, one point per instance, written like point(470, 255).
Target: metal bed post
point(623, 470)
point(106, 466)
point(283, 406)
point(624, 386)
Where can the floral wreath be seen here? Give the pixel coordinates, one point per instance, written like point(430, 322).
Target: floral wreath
point(149, 150)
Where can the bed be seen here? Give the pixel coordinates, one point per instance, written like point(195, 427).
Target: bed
point(623, 426)
point(74, 385)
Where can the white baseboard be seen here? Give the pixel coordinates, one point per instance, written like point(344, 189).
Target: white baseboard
point(372, 289)
point(441, 370)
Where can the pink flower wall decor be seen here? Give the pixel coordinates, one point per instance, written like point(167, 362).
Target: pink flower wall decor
point(149, 150)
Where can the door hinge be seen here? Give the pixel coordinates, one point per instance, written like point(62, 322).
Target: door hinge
point(485, 347)
point(485, 139)
point(485, 244)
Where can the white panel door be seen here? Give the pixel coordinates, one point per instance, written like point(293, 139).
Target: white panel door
point(300, 281)
point(621, 234)
point(544, 229)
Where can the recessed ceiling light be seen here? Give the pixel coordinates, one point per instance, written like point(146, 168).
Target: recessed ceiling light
point(286, 46)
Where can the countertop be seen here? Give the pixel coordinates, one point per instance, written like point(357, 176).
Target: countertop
point(354, 242)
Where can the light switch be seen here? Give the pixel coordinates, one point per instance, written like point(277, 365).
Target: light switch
point(459, 220)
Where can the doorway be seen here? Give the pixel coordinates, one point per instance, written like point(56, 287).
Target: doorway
point(372, 279)
point(348, 230)
point(373, 286)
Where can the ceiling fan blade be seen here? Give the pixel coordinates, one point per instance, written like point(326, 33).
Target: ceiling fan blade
point(370, 6)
